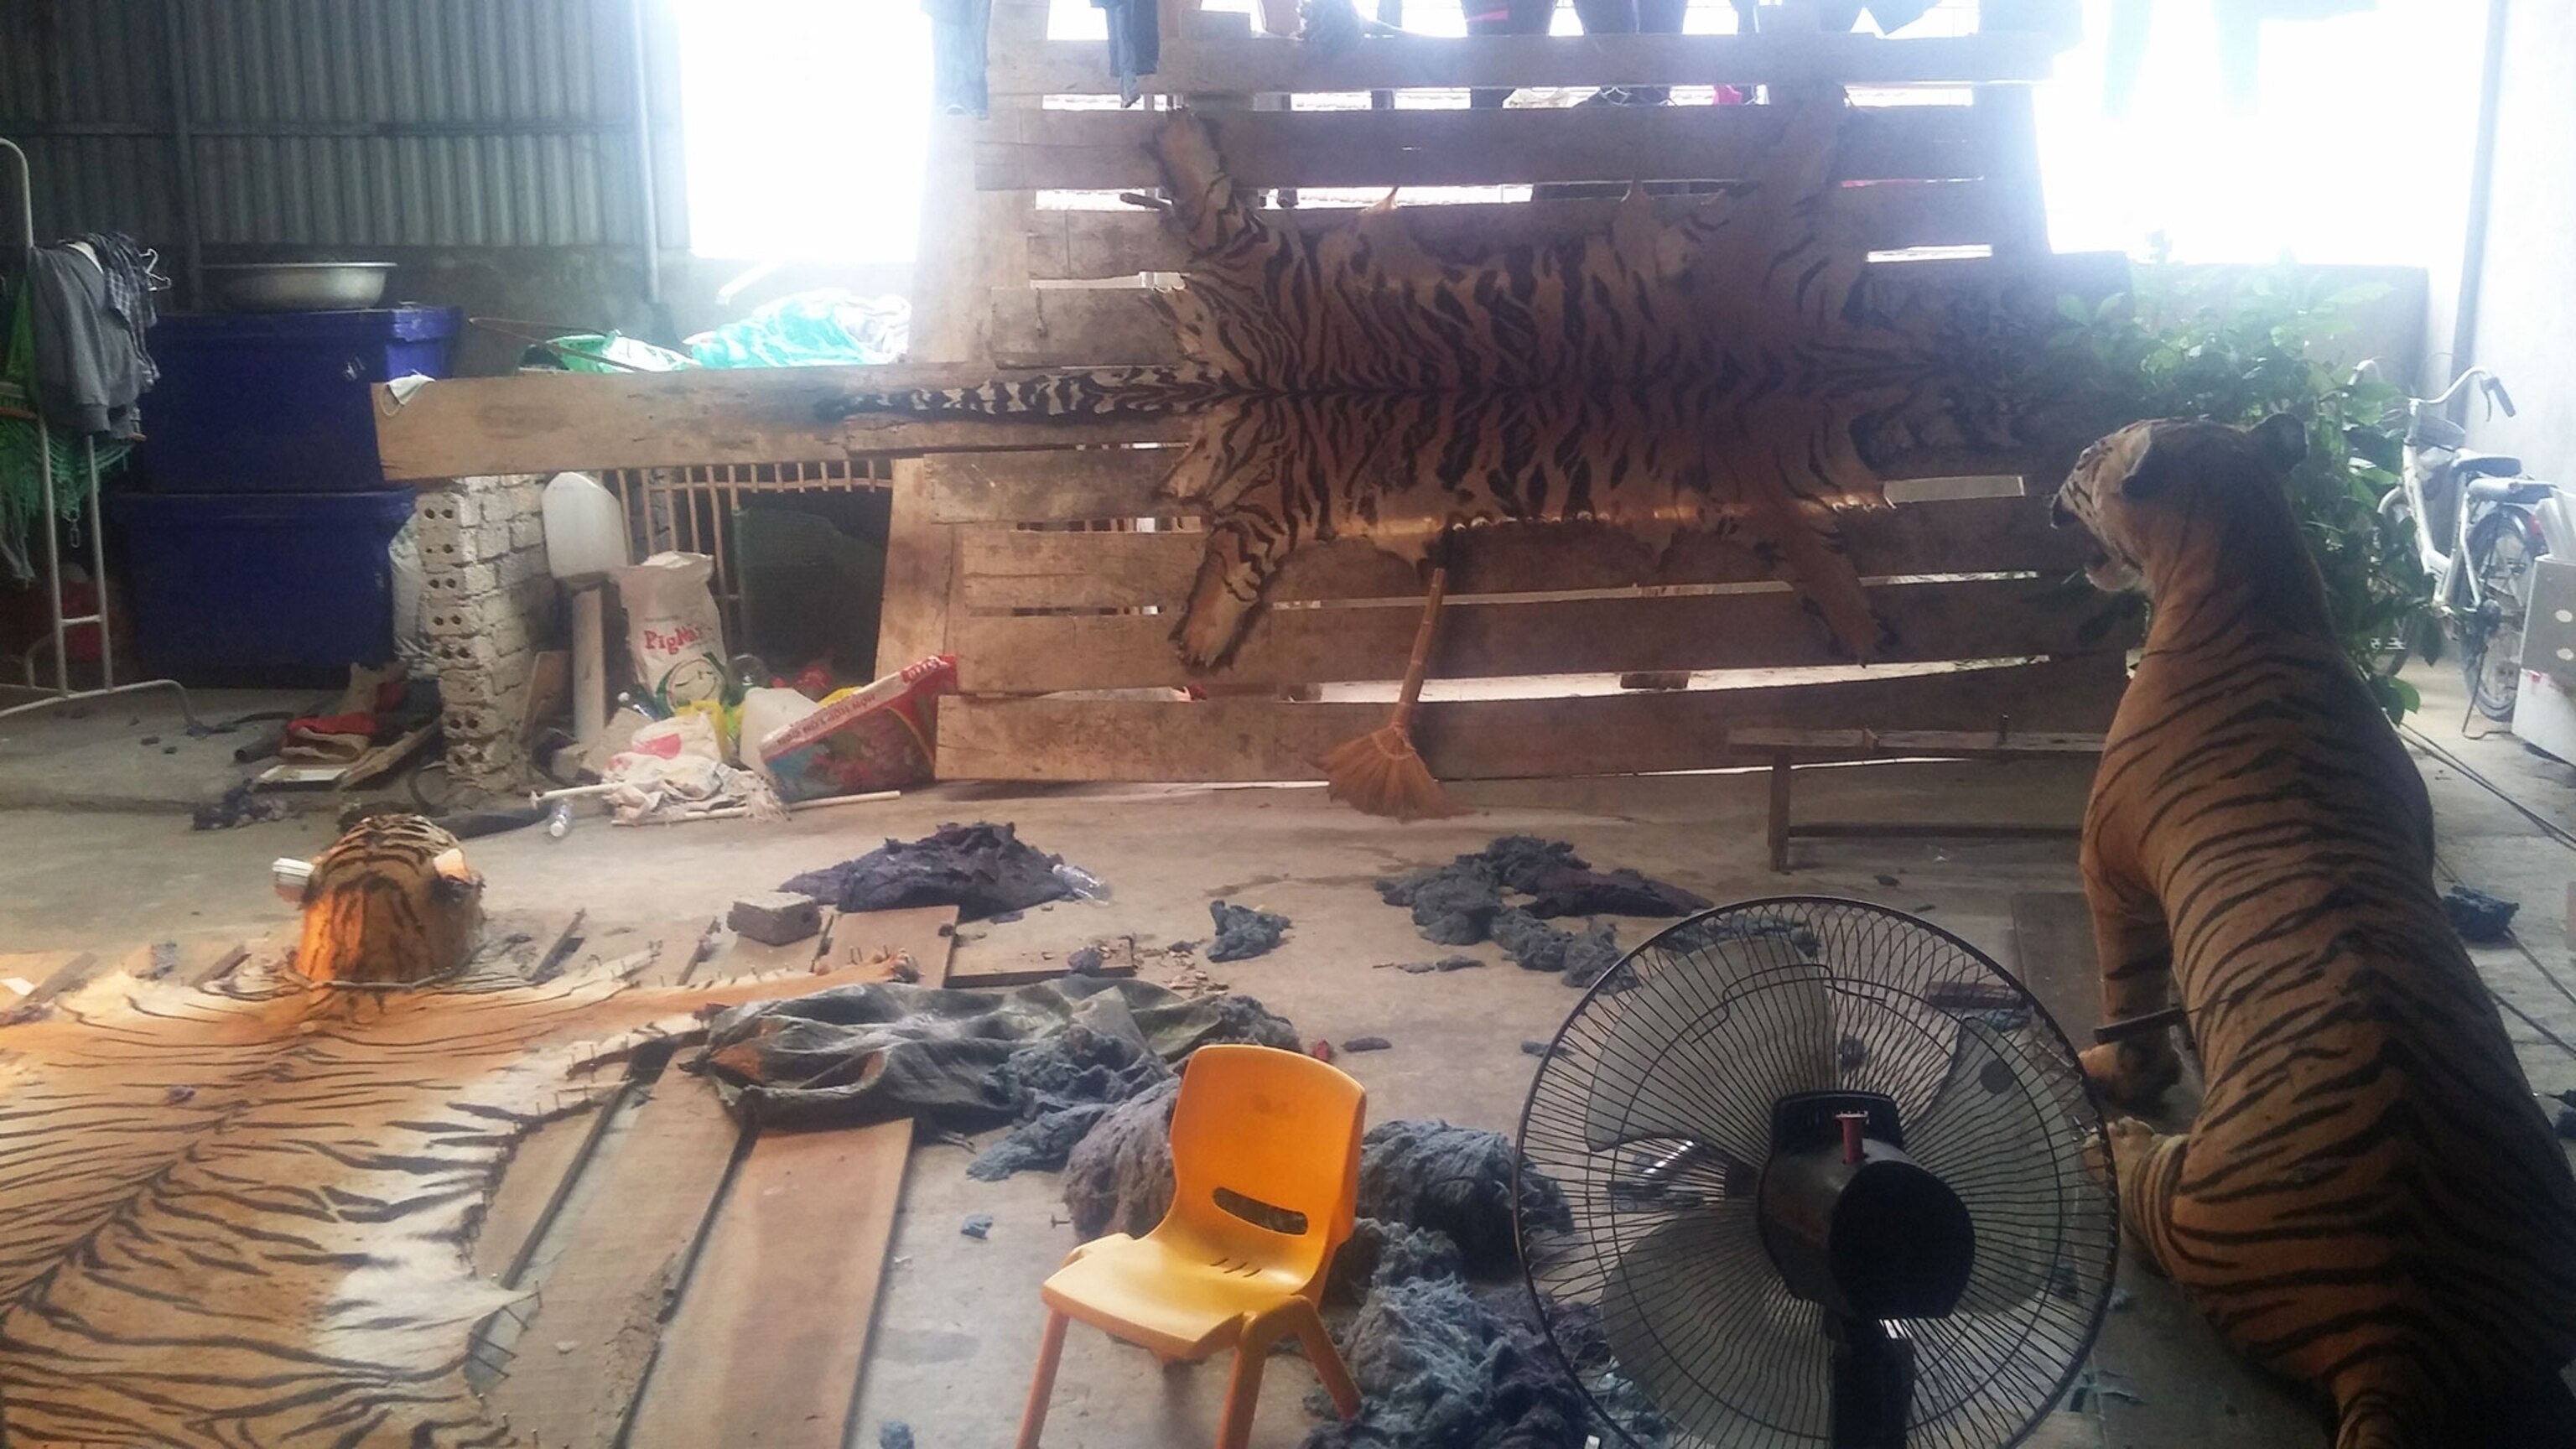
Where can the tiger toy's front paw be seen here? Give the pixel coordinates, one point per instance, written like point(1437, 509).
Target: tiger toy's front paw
point(2133, 1074)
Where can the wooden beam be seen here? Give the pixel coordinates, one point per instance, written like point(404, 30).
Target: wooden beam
point(1099, 326)
point(1254, 739)
point(1255, 64)
point(766, 1345)
point(1886, 216)
point(1976, 619)
point(1006, 569)
point(546, 422)
point(1108, 150)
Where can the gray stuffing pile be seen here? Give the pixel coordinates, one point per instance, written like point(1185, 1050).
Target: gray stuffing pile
point(1468, 900)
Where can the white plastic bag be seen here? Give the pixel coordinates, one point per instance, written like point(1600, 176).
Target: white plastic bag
point(672, 629)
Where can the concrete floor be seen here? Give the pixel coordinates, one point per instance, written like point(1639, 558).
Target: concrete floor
point(957, 1329)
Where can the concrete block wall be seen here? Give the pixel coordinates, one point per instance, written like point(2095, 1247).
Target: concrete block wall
point(487, 605)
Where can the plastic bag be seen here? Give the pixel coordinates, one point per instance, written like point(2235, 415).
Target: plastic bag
point(673, 632)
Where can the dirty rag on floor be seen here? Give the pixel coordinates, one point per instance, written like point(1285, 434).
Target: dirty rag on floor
point(966, 1060)
point(1243, 933)
point(982, 869)
point(1467, 901)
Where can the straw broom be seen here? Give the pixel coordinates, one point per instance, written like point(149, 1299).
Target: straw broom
point(1379, 773)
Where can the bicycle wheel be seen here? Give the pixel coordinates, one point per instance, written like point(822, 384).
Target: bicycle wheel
point(2502, 546)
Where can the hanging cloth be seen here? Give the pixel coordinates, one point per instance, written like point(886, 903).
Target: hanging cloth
point(958, 31)
point(1135, 43)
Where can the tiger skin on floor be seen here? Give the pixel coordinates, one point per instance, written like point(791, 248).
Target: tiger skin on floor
point(391, 902)
point(1663, 376)
point(241, 1215)
point(2369, 1200)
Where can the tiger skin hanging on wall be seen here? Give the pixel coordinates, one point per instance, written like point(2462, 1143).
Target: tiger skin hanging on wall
point(1701, 374)
point(2370, 1199)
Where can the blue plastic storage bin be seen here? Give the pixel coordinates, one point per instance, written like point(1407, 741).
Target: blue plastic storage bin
point(278, 402)
point(233, 587)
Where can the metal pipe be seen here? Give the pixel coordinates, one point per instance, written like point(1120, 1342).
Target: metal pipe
point(183, 149)
point(2473, 250)
point(187, 709)
point(644, 188)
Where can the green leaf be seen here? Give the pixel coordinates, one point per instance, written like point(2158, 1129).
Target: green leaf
point(2072, 308)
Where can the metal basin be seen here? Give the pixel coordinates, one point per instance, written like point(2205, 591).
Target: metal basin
point(299, 286)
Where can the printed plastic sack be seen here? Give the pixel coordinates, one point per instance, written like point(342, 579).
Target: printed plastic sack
point(672, 629)
point(876, 738)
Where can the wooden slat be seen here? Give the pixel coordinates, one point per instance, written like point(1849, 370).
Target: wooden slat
point(1978, 619)
point(1249, 739)
point(1888, 216)
point(1092, 326)
point(766, 1345)
point(1863, 742)
point(55, 974)
point(1107, 150)
point(597, 1315)
point(926, 933)
point(1006, 569)
point(1061, 486)
point(533, 1185)
point(1255, 64)
point(539, 423)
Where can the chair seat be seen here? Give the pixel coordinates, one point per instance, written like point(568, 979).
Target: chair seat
point(1159, 1293)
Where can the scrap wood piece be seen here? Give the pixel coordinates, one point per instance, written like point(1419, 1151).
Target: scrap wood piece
point(597, 1312)
point(876, 943)
point(534, 1183)
point(1118, 958)
point(50, 975)
point(766, 1344)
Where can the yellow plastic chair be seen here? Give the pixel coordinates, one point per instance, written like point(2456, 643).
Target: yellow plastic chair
point(1279, 1129)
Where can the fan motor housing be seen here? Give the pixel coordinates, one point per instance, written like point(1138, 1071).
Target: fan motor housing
point(1859, 1227)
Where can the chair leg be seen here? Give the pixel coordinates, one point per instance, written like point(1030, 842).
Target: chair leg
point(1243, 1390)
point(1327, 1361)
point(1042, 1388)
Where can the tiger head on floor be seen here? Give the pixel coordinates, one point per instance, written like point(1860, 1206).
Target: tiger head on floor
point(2169, 489)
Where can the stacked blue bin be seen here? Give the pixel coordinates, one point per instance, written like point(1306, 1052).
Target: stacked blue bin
point(257, 549)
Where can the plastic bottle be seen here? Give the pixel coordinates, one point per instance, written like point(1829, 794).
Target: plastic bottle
point(1084, 885)
point(559, 819)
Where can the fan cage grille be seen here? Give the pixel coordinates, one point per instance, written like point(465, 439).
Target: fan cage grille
point(1663, 1302)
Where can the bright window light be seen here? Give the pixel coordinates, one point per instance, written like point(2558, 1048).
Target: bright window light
point(2355, 149)
point(806, 124)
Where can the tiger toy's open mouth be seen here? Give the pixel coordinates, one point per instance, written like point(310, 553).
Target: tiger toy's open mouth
point(2108, 573)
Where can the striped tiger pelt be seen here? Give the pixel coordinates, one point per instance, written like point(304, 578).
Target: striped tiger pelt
point(391, 902)
point(1707, 373)
point(242, 1216)
point(2369, 1200)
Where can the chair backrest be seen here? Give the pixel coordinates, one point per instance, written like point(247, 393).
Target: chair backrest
point(1259, 1127)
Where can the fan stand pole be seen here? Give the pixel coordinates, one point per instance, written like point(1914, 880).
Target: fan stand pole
point(1873, 1384)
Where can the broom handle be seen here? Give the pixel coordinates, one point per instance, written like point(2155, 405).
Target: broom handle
point(1421, 660)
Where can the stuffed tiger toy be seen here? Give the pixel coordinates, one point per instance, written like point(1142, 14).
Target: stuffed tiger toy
point(392, 902)
point(2369, 1200)
point(1706, 373)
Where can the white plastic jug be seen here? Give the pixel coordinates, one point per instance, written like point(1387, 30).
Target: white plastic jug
point(764, 712)
point(585, 528)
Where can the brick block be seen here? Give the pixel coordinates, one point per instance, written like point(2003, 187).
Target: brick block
point(527, 531)
point(776, 918)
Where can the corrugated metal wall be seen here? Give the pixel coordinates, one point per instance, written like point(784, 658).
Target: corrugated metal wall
point(325, 123)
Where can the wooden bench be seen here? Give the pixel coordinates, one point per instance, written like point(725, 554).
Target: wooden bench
point(1788, 748)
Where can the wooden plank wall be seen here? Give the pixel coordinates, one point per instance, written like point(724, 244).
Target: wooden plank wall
point(1040, 553)
point(1056, 587)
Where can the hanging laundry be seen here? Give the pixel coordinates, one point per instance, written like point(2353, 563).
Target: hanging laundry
point(1135, 43)
point(91, 303)
point(958, 29)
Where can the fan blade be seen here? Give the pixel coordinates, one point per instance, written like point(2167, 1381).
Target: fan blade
point(1991, 1133)
point(1701, 1049)
point(1696, 1302)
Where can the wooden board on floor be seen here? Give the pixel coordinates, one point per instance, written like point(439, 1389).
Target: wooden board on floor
point(1264, 739)
point(533, 1186)
point(766, 1346)
point(597, 1314)
point(924, 933)
point(1006, 569)
point(2012, 618)
point(51, 975)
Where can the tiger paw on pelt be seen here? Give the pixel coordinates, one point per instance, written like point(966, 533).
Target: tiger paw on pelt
point(2369, 1199)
